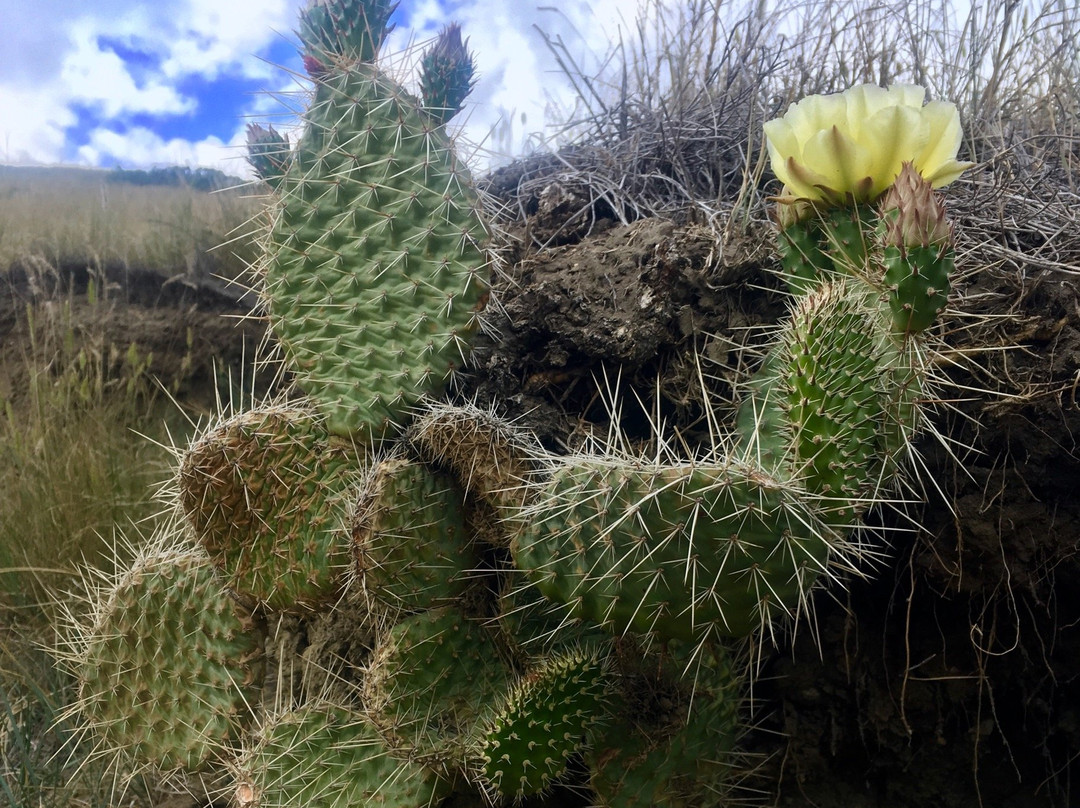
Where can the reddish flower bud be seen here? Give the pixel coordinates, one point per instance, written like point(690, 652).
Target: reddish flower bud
point(914, 215)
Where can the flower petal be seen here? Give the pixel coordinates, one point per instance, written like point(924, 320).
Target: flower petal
point(895, 133)
point(945, 137)
point(842, 162)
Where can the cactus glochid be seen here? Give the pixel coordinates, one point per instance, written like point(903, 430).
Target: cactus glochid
point(532, 622)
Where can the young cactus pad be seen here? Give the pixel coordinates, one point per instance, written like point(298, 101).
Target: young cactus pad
point(683, 550)
point(528, 741)
point(375, 273)
point(267, 492)
point(168, 667)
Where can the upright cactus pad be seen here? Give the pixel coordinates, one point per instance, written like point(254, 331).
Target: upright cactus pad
point(268, 153)
point(836, 358)
point(268, 493)
point(375, 275)
point(325, 756)
point(411, 547)
point(527, 742)
point(168, 666)
point(684, 551)
point(918, 278)
point(446, 74)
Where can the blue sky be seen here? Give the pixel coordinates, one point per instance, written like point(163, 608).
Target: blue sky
point(139, 83)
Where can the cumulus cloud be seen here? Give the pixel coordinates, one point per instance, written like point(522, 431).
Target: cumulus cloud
point(140, 146)
point(68, 80)
point(108, 81)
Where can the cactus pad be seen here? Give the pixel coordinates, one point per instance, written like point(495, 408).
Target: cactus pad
point(375, 274)
point(168, 666)
point(428, 680)
point(411, 547)
point(527, 742)
point(325, 756)
point(685, 551)
point(268, 494)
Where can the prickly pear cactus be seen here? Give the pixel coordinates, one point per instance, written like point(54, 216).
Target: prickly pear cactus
point(535, 626)
point(167, 663)
point(543, 720)
point(411, 547)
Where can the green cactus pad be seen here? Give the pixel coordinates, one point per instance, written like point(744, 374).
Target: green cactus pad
point(375, 275)
point(446, 74)
point(325, 756)
point(671, 745)
point(268, 494)
point(268, 153)
point(411, 547)
point(168, 666)
point(526, 744)
point(428, 679)
point(848, 235)
point(836, 357)
point(918, 281)
point(683, 550)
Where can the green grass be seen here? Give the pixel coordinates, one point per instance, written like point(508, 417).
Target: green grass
point(74, 462)
point(77, 469)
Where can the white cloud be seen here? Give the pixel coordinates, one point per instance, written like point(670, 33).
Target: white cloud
point(100, 78)
point(140, 146)
point(519, 81)
point(32, 125)
point(219, 35)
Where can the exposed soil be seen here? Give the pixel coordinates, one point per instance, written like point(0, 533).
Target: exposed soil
point(949, 678)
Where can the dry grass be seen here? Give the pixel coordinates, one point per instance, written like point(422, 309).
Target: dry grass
point(673, 122)
point(65, 216)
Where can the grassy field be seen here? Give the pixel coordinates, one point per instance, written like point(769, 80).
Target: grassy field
point(62, 216)
point(85, 427)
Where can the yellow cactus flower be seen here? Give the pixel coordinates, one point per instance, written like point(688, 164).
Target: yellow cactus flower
point(849, 147)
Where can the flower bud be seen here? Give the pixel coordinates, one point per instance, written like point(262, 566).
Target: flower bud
point(791, 210)
point(914, 215)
